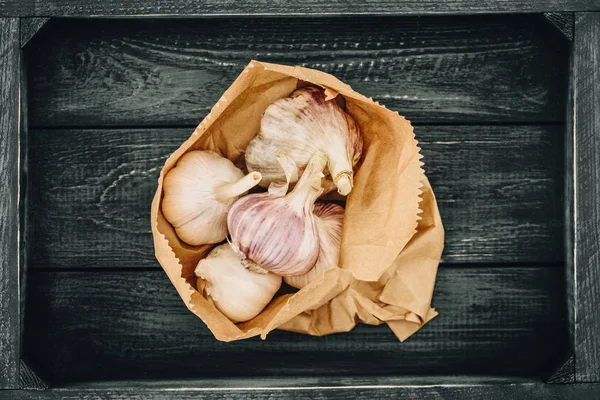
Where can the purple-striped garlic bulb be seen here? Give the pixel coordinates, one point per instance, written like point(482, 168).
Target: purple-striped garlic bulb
point(330, 218)
point(277, 231)
point(301, 125)
point(198, 193)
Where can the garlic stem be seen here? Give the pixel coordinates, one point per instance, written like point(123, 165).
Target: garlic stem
point(308, 188)
point(343, 181)
point(235, 189)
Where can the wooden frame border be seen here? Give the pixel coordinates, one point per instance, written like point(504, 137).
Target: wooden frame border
point(10, 119)
point(116, 8)
point(581, 369)
point(586, 214)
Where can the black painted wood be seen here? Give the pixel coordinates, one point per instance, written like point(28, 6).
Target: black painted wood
point(170, 73)
point(587, 196)
point(29, 379)
point(139, 8)
point(9, 214)
point(562, 21)
point(526, 391)
point(457, 391)
point(499, 190)
point(133, 325)
point(565, 373)
point(569, 207)
point(30, 27)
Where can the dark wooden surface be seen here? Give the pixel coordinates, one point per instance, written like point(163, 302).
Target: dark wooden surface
point(30, 27)
point(563, 22)
point(565, 373)
point(29, 378)
point(166, 73)
point(569, 213)
point(499, 190)
point(9, 213)
point(132, 324)
point(587, 197)
point(109, 104)
point(281, 7)
point(516, 391)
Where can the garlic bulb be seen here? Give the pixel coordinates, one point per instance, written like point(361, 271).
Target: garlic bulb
point(198, 193)
point(277, 231)
point(329, 225)
point(303, 124)
point(237, 292)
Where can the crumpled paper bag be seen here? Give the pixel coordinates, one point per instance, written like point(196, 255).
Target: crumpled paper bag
point(392, 236)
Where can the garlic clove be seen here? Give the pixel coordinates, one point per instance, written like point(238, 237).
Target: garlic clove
point(302, 124)
point(236, 291)
point(198, 192)
point(279, 232)
point(329, 222)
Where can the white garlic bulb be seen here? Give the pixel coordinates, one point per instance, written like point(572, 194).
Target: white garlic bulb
point(237, 292)
point(278, 231)
point(330, 218)
point(198, 193)
point(303, 124)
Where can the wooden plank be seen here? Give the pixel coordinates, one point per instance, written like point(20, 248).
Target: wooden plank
point(153, 8)
point(30, 27)
point(133, 325)
point(170, 73)
point(499, 190)
point(565, 373)
point(9, 207)
point(587, 196)
point(520, 391)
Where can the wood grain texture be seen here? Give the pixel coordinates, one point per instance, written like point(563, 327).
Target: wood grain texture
point(111, 8)
point(499, 190)
point(519, 391)
point(587, 196)
point(170, 73)
point(562, 21)
point(569, 204)
point(30, 27)
point(9, 213)
point(565, 373)
point(29, 379)
point(133, 325)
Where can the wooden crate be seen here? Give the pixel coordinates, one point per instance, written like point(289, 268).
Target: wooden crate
point(505, 100)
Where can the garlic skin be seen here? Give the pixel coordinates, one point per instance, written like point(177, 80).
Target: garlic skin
point(199, 191)
point(237, 292)
point(330, 218)
point(303, 124)
point(278, 231)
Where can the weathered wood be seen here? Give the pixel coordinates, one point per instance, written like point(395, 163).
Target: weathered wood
point(563, 22)
point(29, 379)
point(9, 213)
point(519, 391)
point(565, 373)
point(132, 324)
point(499, 190)
point(23, 165)
point(273, 382)
point(159, 73)
point(30, 27)
point(587, 196)
point(569, 205)
point(153, 8)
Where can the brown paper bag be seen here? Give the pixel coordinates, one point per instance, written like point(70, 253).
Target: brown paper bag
point(392, 237)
